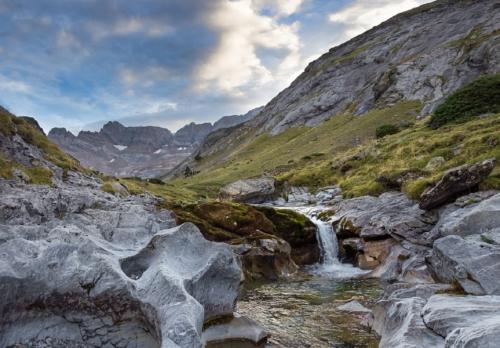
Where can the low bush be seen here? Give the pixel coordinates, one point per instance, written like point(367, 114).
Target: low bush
point(386, 129)
point(479, 97)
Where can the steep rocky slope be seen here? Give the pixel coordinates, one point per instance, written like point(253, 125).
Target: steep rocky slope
point(420, 55)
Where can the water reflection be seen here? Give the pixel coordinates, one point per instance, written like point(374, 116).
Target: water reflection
point(302, 312)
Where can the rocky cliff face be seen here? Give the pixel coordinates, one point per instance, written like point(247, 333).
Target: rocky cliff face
point(423, 54)
point(146, 152)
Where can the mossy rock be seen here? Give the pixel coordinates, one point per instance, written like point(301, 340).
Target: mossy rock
point(226, 222)
point(291, 226)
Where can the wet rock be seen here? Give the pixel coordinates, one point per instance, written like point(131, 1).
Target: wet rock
point(399, 324)
point(79, 267)
point(456, 182)
point(249, 191)
point(474, 265)
point(408, 290)
point(298, 231)
point(238, 328)
point(353, 307)
point(405, 263)
point(269, 259)
point(469, 321)
point(374, 253)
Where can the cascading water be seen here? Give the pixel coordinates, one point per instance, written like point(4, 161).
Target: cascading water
point(330, 265)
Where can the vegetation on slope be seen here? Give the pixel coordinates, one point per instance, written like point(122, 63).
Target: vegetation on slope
point(479, 97)
point(11, 125)
point(293, 150)
point(401, 161)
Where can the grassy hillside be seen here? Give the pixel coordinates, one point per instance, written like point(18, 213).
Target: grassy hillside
point(345, 151)
point(403, 160)
point(292, 150)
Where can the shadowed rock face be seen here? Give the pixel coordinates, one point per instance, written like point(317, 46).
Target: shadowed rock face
point(82, 268)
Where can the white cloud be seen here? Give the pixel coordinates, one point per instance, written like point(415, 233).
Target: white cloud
point(144, 77)
point(128, 26)
point(281, 7)
point(234, 64)
point(159, 106)
point(365, 14)
point(7, 84)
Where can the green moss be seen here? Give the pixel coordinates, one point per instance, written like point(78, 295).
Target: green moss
point(226, 222)
point(476, 98)
point(291, 226)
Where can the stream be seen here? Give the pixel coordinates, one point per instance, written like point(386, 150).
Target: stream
point(301, 311)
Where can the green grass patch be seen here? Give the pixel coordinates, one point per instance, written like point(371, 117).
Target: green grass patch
point(300, 154)
point(38, 175)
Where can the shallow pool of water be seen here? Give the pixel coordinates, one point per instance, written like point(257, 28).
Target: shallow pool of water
point(301, 312)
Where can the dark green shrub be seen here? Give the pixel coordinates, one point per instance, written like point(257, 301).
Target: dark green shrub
point(156, 181)
point(476, 98)
point(386, 129)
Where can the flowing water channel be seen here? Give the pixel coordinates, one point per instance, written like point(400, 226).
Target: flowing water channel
point(302, 311)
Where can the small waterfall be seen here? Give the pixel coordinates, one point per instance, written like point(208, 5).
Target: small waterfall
point(327, 238)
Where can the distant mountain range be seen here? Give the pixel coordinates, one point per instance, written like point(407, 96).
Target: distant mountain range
point(139, 151)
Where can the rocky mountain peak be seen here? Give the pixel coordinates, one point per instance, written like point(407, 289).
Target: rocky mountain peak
point(61, 133)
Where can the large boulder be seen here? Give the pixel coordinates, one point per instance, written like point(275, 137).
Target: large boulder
point(391, 214)
point(257, 190)
point(456, 182)
point(82, 268)
point(474, 218)
point(473, 264)
point(468, 321)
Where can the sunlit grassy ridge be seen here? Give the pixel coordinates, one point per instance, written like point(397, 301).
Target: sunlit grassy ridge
point(10, 125)
point(295, 148)
point(406, 154)
point(344, 151)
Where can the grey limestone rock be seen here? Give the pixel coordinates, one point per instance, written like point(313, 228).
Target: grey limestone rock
point(82, 268)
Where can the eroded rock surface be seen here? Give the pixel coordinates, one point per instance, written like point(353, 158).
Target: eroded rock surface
point(468, 321)
point(82, 268)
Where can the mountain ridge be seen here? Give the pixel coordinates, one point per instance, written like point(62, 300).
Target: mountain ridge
point(144, 151)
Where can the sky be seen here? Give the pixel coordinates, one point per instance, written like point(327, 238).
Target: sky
point(80, 63)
